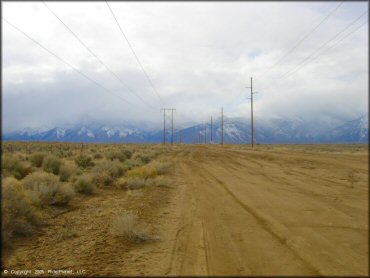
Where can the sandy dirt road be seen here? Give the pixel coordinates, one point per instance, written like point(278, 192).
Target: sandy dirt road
point(273, 210)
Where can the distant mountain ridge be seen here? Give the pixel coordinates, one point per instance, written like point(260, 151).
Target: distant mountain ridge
point(236, 130)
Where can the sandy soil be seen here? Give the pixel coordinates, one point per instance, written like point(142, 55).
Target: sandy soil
point(273, 210)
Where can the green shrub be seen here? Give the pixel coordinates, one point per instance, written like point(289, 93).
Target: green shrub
point(37, 159)
point(12, 166)
point(51, 164)
point(143, 157)
point(84, 161)
point(85, 185)
point(46, 189)
point(19, 217)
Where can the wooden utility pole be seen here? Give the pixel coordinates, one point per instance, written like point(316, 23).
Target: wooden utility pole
point(211, 130)
point(205, 133)
point(222, 126)
point(172, 123)
point(164, 125)
point(252, 123)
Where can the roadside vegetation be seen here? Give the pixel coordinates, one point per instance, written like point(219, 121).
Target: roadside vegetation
point(38, 178)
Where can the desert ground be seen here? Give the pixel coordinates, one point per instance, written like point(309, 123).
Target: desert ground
point(231, 210)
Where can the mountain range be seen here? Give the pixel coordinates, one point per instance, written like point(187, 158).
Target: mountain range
point(236, 130)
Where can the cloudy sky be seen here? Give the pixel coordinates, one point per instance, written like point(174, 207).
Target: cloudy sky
point(199, 57)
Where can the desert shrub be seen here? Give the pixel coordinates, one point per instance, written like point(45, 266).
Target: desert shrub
point(46, 189)
point(126, 225)
point(66, 171)
point(135, 183)
point(161, 181)
point(145, 172)
point(121, 155)
point(51, 164)
point(19, 216)
point(85, 185)
point(121, 183)
point(98, 156)
point(162, 167)
point(106, 172)
point(11, 166)
point(143, 157)
point(36, 159)
point(84, 161)
point(131, 163)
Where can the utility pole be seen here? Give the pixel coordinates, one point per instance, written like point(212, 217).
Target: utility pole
point(252, 123)
point(211, 130)
point(164, 124)
point(205, 133)
point(172, 123)
point(222, 126)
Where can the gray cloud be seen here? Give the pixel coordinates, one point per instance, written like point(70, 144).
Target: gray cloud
point(200, 57)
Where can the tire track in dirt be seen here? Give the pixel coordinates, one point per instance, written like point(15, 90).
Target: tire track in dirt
point(222, 225)
point(297, 238)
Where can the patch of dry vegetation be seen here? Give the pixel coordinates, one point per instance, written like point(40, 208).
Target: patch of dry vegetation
point(126, 226)
point(39, 178)
point(19, 216)
point(46, 189)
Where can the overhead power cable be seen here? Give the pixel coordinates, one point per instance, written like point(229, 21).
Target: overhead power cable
point(134, 53)
point(65, 62)
point(330, 47)
point(290, 50)
point(96, 57)
point(306, 59)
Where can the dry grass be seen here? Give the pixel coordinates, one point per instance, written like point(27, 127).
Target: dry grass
point(85, 185)
point(51, 164)
point(19, 216)
point(106, 172)
point(126, 225)
point(37, 159)
point(144, 172)
point(46, 189)
point(135, 183)
point(84, 161)
point(162, 167)
point(12, 166)
point(66, 171)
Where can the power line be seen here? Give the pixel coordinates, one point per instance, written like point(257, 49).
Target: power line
point(305, 60)
point(65, 62)
point(303, 39)
point(95, 56)
point(133, 51)
point(330, 47)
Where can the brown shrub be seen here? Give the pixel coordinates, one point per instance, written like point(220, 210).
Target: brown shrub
point(19, 216)
point(46, 189)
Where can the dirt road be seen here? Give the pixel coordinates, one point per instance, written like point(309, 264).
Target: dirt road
point(274, 210)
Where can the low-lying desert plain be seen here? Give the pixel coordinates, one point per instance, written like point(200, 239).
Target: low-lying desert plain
point(189, 209)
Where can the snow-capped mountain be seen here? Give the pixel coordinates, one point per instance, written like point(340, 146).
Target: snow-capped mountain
point(236, 130)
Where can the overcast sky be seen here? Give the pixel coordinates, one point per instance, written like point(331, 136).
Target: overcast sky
point(199, 56)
